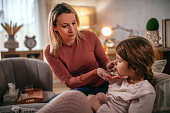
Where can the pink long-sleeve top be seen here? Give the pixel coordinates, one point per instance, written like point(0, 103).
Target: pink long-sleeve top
point(76, 65)
point(124, 97)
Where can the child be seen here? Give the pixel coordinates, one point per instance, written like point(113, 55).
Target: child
point(133, 92)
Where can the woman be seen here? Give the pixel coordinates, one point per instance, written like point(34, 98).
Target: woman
point(74, 56)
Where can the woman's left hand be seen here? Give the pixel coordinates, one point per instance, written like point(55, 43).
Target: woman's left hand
point(115, 77)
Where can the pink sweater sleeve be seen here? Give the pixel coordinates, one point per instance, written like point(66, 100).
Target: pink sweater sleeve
point(89, 79)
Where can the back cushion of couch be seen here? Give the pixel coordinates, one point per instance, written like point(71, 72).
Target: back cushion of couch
point(23, 72)
point(162, 88)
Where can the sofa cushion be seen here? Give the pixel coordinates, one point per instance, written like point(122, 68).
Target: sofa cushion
point(24, 72)
point(162, 88)
point(159, 65)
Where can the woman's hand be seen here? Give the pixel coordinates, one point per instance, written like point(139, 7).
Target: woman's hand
point(111, 68)
point(103, 74)
point(110, 65)
point(115, 77)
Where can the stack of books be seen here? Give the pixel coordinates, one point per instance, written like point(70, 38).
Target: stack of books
point(31, 95)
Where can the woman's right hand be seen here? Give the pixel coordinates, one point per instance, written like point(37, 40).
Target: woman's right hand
point(110, 65)
point(105, 75)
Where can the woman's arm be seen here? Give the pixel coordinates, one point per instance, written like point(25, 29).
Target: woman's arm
point(63, 74)
point(99, 52)
point(143, 104)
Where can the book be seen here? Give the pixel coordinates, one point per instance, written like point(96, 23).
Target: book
point(30, 95)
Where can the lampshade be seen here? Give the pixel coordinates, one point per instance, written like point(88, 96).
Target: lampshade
point(107, 31)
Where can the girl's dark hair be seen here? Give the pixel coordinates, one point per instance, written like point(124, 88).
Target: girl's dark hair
point(139, 54)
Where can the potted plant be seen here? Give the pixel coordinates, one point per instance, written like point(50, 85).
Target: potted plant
point(152, 33)
point(11, 29)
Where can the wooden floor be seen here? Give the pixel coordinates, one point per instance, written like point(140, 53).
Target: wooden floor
point(58, 86)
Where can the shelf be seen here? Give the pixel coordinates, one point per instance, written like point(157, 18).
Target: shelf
point(38, 54)
point(164, 53)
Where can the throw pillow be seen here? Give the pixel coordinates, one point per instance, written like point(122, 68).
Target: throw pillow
point(159, 65)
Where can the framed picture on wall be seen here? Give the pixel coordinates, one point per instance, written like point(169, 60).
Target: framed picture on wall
point(166, 33)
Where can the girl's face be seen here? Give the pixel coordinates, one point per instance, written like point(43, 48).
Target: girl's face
point(122, 67)
point(67, 27)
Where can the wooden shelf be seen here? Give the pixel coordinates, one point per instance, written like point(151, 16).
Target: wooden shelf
point(38, 54)
point(111, 52)
point(164, 53)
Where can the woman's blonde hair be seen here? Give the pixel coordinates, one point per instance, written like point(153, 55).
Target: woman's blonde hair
point(55, 39)
point(139, 54)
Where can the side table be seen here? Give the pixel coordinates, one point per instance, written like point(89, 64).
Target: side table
point(38, 54)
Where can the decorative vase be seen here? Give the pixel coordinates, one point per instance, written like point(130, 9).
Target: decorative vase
point(153, 37)
point(11, 44)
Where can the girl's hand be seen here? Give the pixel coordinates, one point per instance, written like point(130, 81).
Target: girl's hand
point(105, 75)
point(94, 102)
point(102, 98)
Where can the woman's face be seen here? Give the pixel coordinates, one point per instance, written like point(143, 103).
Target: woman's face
point(67, 27)
point(122, 67)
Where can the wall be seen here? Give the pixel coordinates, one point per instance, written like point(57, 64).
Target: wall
point(132, 14)
point(46, 5)
point(75, 2)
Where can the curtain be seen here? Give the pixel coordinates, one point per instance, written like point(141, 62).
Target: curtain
point(20, 12)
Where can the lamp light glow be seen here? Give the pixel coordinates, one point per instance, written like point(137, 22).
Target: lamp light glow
point(107, 31)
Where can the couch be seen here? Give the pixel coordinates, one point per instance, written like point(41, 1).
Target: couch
point(162, 88)
point(25, 72)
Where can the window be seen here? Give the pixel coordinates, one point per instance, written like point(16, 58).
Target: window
point(20, 12)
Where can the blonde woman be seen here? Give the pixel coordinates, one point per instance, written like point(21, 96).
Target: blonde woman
point(75, 56)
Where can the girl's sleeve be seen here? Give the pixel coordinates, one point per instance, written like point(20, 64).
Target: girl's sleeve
point(143, 104)
point(62, 73)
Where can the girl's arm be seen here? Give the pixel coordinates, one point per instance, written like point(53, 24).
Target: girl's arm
point(94, 102)
point(102, 98)
point(143, 104)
